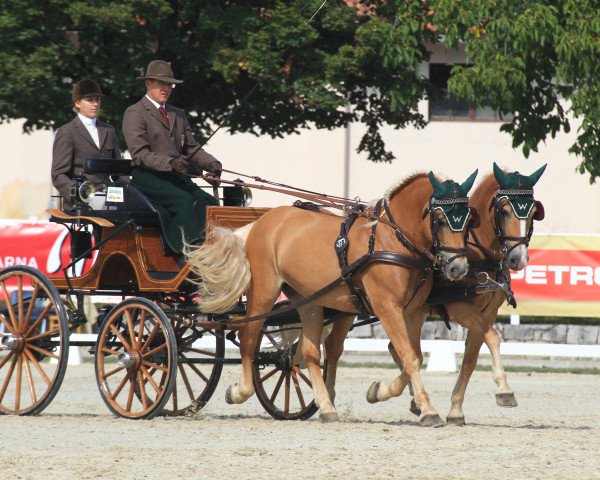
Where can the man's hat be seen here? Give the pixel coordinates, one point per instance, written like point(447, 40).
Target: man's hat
point(160, 70)
point(86, 88)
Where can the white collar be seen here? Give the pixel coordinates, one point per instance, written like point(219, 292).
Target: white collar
point(88, 122)
point(156, 104)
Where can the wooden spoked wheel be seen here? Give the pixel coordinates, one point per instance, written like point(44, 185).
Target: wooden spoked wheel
point(34, 342)
point(136, 359)
point(281, 381)
point(200, 353)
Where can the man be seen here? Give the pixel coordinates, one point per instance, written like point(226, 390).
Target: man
point(83, 137)
point(164, 154)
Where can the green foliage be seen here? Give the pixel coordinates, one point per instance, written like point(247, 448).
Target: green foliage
point(304, 74)
point(538, 59)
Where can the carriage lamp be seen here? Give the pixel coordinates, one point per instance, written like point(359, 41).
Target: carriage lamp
point(82, 191)
point(237, 195)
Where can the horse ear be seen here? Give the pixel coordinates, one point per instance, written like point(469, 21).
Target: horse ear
point(438, 188)
point(535, 176)
point(466, 186)
point(501, 177)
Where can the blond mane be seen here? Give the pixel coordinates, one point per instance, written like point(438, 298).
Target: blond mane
point(484, 192)
point(402, 184)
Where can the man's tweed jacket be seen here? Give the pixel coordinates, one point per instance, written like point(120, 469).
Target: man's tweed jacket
point(72, 145)
point(179, 202)
point(152, 144)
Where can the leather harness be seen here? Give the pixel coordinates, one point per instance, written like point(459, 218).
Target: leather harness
point(357, 293)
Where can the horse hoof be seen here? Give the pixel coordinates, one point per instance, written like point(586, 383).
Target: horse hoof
point(372, 393)
point(431, 421)
point(506, 400)
point(456, 421)
point(229, 395)
point(414, 409)
point(329, 417)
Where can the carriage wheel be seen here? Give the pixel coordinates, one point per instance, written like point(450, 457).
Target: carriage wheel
point(136, 359)
point(34, 341)
point(200, 352)
point(281, 381)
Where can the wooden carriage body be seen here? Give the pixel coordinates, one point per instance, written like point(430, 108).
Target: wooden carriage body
point(134, 259)
point(154, 351)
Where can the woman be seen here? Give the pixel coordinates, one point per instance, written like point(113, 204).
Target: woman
point(83, 137)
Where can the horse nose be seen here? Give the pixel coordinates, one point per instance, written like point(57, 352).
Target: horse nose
point(457, 270)
point(518, 262)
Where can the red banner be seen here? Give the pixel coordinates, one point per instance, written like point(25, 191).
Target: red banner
point(562, 277)
point(567, 275)
point(44, 246)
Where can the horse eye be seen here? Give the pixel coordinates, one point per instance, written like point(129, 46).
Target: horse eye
point(505, 213)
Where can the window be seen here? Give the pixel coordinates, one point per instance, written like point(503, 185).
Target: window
point(445, 107)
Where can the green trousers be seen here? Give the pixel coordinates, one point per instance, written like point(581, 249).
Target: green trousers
point(180, 203)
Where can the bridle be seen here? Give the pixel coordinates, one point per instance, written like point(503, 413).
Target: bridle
point(521, 202)
point(455, 220)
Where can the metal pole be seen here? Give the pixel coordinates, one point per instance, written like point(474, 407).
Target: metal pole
point(347, 139)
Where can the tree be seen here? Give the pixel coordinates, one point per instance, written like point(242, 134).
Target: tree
point(301, 73)
point(291, 73)
point(538, 59)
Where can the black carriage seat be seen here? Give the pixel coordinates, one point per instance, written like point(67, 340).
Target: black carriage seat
point(124, 202)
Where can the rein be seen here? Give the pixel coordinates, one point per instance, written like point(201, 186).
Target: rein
point(377, 257)
point(426, 261)
point(339, 203)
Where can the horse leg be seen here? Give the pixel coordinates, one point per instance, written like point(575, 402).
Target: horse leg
point(334, 347)
point(479, 331)
point(381, 391)
point(473, 343)
point(410, 355)
point(505, 396)
point(260, 300)
point(312, 328)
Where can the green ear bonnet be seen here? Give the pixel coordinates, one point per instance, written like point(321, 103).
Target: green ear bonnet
point(517, 189)
point(452, 199)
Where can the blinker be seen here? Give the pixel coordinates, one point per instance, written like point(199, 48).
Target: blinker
point(475, 218)
point(539, 214)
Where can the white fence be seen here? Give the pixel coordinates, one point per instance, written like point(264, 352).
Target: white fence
point(442, 353)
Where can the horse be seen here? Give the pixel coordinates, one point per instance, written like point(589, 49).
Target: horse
point(302, 250)
point(508, 210)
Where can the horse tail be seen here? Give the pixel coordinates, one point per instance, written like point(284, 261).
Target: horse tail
point(221, 269)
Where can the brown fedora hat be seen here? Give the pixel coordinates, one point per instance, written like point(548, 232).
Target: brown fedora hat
point(86, 88)
point(160, 70)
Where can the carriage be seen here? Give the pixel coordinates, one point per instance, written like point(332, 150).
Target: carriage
point(154, 351)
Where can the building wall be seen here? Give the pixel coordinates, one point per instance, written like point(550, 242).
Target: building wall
point(327, 162)
point(315, 160)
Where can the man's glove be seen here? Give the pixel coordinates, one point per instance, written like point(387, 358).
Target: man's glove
point(214, 169)
point(180, 165)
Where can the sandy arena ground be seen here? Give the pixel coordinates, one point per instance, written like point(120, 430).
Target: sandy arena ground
point(553, 433)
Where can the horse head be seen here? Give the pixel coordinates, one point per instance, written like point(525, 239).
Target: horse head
point(450, 218)
point(514, 210)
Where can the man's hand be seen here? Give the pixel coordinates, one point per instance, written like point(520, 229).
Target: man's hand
point(180, 165)
point(213, 169)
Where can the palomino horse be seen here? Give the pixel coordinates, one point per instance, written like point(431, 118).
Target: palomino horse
point(508, 210)
point(295, 247)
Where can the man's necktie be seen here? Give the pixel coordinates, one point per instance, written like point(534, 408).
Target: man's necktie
point(163, 112)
